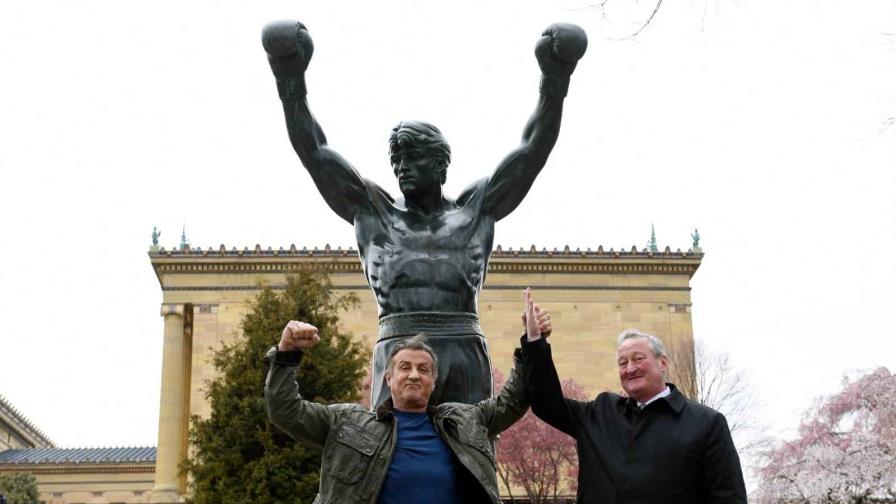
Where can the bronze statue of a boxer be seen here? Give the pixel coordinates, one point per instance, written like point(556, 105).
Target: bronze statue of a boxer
point(425, 255)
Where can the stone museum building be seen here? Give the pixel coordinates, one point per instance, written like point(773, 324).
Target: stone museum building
point(592, 297)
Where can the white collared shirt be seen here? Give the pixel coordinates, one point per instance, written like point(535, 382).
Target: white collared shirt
point(665, 392)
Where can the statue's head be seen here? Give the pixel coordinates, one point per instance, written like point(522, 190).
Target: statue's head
point(419, 155)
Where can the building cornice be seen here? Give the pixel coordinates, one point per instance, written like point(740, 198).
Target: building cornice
point(74, 468)
point(339, 260)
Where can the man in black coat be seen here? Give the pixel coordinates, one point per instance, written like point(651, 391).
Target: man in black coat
point(654, 446)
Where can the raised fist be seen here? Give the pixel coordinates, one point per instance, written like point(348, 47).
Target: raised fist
point(289, 48)
point(298, 336)
point(559, 49)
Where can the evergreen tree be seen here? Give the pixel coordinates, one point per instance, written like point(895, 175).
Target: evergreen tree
point(236, 455)
point(19, 488)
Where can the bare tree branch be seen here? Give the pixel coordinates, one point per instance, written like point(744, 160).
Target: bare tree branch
point(652, 15)
point(888, 122)
point(710, 378)
point(602, 5)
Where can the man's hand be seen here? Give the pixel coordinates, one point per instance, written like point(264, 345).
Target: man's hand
point(298, 336)
point(289, 48)
point(536, 321)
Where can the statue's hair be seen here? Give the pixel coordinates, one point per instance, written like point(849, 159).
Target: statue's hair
point(418, 342)
point(420, 135)
point(659, 350)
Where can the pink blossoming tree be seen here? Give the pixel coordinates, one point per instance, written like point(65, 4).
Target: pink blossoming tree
point(845, 452)
point(537, 458)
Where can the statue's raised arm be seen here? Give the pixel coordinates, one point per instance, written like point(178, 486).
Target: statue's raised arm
point(558, 50)
point(289, 49)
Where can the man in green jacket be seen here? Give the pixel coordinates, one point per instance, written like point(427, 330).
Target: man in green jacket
point(405, 451)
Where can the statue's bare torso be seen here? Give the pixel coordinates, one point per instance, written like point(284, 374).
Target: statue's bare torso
point(416, 262)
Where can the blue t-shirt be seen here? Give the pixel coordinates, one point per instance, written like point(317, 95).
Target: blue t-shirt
point(422, 468)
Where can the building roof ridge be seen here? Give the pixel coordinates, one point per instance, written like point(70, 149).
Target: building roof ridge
point(79, 455)
point(329, 251)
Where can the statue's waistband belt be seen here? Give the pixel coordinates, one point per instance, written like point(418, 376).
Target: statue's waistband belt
point(429, 323)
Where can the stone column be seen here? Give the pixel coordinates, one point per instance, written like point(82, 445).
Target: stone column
point(172, 413)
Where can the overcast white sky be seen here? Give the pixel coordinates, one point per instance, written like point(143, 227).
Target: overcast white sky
point(765, 123)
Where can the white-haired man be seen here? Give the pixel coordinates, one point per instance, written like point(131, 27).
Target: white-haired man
point(654, 446)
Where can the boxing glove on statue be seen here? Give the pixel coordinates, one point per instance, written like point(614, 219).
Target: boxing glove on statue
point(289, 49)
point(558, 50)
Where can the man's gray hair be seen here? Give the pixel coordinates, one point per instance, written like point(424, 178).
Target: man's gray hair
point(418, 342)
point(659, 350)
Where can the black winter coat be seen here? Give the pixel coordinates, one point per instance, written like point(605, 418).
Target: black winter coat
point(673, 451)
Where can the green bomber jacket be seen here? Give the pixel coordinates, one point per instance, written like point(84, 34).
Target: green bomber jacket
point(358, 443)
